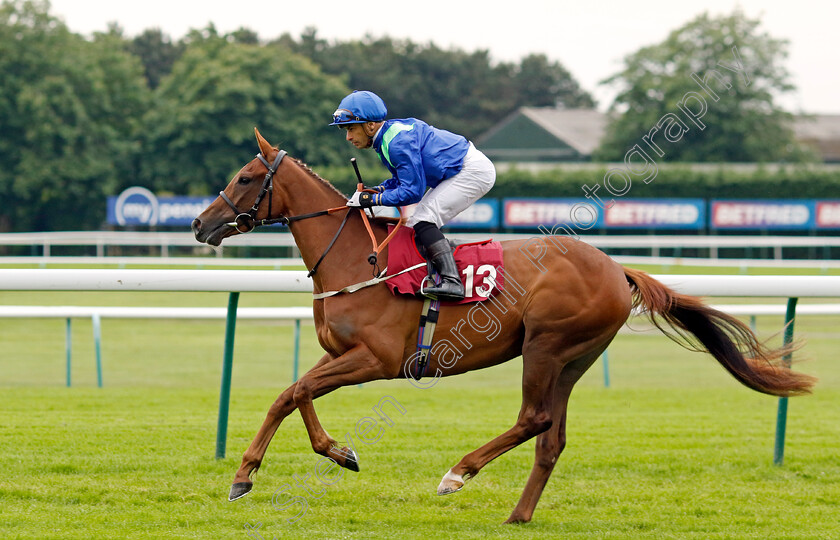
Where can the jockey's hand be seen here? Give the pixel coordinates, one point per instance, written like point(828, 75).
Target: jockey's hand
point(361, 200)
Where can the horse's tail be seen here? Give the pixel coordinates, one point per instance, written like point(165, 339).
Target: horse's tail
point(699, 327)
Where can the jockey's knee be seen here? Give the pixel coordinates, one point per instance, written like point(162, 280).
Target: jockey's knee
point(427, 233)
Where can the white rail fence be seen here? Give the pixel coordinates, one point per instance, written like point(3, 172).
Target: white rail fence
point(97, 313)
point(295, 314)
point(101, 240)
point(279, 263)
point(238, 281)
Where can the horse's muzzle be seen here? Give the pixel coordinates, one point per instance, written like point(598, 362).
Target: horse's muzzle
point(196, 229)
point(205, 236)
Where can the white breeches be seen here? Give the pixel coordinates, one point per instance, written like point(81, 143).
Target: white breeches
point(456, 194)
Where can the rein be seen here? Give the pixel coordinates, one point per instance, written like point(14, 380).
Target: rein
point(245, 222)
point(377, 249)
point(364, 284)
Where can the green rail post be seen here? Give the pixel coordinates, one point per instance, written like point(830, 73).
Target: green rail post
point(227, 368)
point(606, 358)
point(69, 348)
point(97, 343)
point(781, 414)
point(296, 359)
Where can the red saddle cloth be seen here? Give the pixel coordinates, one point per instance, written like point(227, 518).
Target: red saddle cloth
point(480, 263)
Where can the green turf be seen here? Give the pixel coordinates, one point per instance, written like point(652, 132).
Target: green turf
point(673, 449)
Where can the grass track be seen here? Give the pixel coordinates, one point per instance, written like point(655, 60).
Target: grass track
point(674, 449)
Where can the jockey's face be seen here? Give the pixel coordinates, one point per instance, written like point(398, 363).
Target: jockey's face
point(361, 135)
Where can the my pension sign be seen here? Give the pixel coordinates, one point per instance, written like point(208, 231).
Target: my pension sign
point(139, 206)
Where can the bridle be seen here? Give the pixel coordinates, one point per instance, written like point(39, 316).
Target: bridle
point(245, 222)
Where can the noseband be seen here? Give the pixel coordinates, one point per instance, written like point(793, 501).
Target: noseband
point(247, 221)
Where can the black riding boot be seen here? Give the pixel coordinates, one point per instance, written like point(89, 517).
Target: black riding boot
point(451, 289)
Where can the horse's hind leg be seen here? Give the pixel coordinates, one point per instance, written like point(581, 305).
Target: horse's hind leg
point(548, 448)
point(551, 442)
point(539, 374)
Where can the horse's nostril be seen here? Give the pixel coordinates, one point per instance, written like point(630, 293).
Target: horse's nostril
point(196, 226)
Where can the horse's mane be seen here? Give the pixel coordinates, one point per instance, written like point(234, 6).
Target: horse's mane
point(316, 176)
point(377, 221)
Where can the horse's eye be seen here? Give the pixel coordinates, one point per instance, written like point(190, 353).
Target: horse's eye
point(244, 180)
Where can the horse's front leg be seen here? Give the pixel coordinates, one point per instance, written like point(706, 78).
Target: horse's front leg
point(282, 407)
point(356, 366)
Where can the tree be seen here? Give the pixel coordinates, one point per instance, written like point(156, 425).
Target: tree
point(703, 57)
point(244, 35)
point(452, 89)
point(541, 83)
point(68, 111)
point(200, 131)
point(157, 52)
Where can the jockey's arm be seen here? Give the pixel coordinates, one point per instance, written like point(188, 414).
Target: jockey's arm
point(387, 185)
point(408, 184)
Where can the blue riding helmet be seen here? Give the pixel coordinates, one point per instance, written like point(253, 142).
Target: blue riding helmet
point(359, 107)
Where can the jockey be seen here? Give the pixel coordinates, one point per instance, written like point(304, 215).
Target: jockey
point(419, 158)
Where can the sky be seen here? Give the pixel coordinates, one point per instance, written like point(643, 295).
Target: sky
point(590, 38)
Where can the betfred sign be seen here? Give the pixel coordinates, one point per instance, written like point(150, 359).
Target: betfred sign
point(531, 213)
point(828, 214)
point(656, 214)
point(762, 214)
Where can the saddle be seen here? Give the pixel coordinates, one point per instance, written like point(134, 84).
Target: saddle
point(480, 264)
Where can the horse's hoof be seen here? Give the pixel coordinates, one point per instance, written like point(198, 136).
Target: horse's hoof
point(239, 490)
point(451, 483)
point(351, 462)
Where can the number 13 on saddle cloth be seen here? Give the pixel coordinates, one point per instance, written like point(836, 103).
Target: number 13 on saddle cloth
point(480, 264)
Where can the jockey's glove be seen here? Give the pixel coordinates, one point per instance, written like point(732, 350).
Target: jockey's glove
point(361, 200)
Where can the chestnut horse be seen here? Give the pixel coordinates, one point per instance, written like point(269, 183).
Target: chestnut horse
point(558, 310)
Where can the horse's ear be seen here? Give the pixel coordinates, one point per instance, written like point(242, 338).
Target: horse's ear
point(265, 148)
